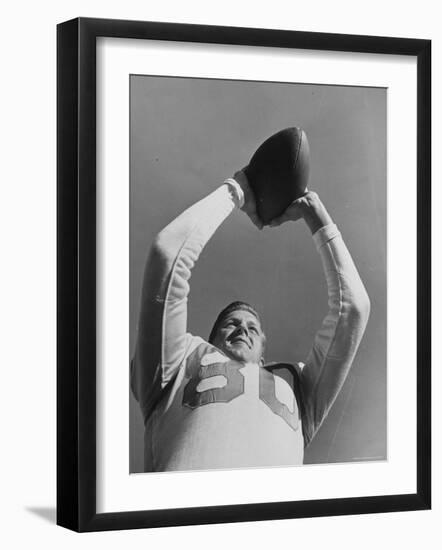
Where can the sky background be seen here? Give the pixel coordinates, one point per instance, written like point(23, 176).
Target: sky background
point(186, 137)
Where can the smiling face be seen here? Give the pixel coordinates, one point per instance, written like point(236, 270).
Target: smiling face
point(240, 336)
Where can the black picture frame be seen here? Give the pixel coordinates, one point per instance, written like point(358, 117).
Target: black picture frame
point(76, 273)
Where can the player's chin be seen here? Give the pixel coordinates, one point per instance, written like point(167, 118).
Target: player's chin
point(239, 353)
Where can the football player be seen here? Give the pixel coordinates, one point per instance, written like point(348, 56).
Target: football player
point(216, 403)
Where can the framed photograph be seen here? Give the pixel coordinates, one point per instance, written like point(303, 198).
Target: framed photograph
point(243, 274)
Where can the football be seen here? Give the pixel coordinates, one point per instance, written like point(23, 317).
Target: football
point(278, 172)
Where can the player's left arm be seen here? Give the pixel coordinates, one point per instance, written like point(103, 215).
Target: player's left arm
point(336, 342)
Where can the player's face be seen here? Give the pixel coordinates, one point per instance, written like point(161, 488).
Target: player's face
point(240, 336)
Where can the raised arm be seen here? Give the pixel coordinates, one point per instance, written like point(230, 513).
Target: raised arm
point(338, 339)
point(162, 340)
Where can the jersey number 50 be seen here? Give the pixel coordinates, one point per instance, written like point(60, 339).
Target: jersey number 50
point(233, 388)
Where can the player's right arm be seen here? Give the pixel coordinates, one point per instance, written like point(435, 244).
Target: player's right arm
point(163, 341)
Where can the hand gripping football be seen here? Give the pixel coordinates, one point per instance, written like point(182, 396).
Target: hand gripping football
point(278, 172)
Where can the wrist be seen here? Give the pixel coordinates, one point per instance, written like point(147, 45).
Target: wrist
point(314, 213)
point(236, 191)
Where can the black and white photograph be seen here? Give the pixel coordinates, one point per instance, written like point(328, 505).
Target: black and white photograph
point(258, 274)
point(221, 259)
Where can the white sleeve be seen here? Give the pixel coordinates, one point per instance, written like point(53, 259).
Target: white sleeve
point(338, 339)
point(163, 341)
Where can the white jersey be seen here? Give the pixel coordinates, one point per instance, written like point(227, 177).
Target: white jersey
point(219, 413)
point(203, 410)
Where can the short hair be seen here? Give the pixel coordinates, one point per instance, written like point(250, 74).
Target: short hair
point(228, 309)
